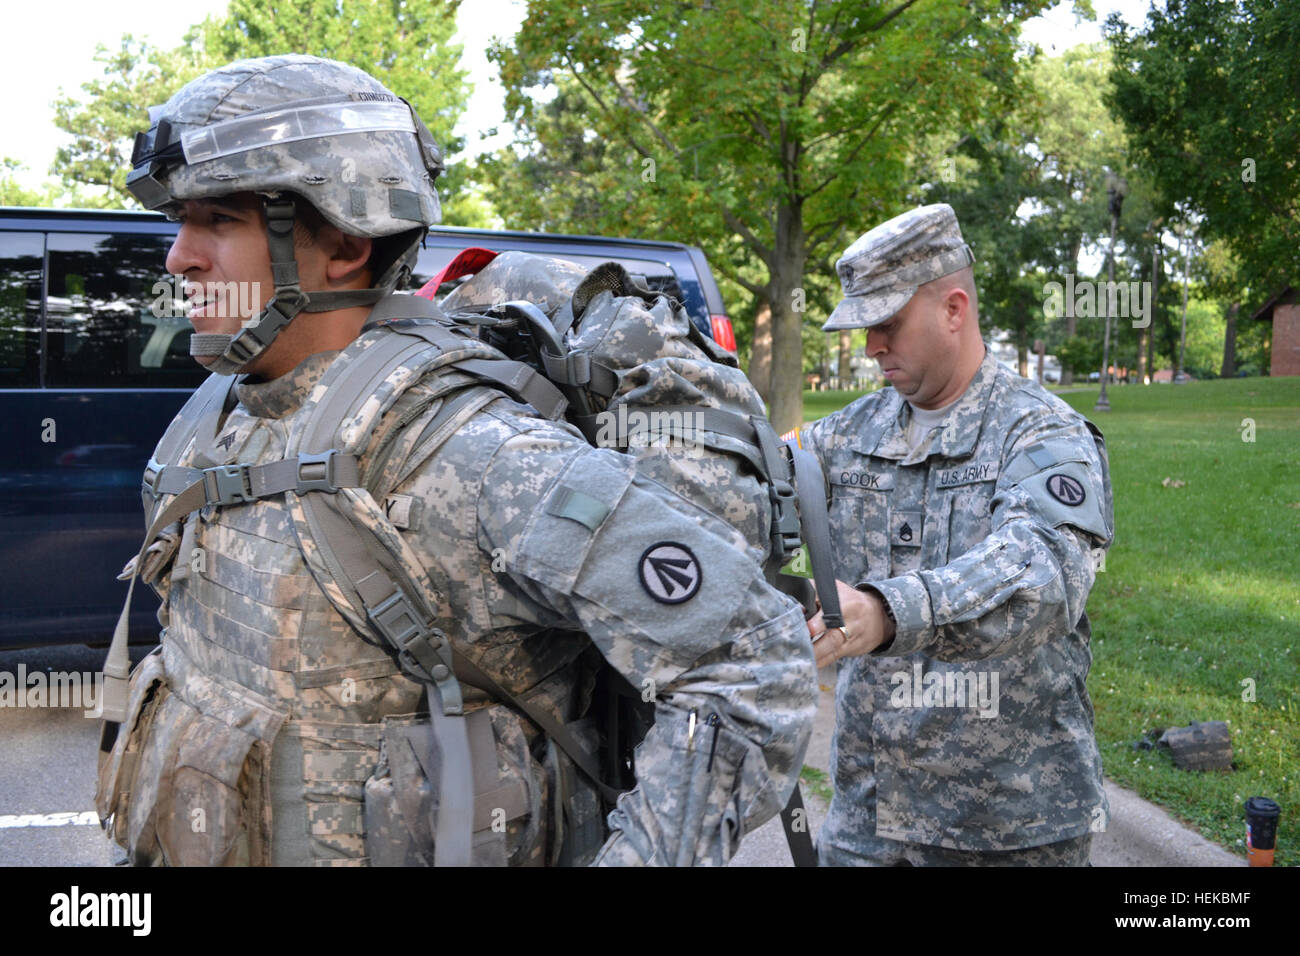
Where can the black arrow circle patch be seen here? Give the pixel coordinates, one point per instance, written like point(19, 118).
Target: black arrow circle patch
point(1066, 490)
point(670, 573)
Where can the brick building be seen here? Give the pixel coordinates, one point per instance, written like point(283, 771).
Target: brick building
point(1283, 310)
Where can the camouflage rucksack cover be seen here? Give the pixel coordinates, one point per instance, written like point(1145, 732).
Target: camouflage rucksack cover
point(642, 379)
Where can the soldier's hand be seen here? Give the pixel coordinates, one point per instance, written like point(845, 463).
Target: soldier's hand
point(866, 627)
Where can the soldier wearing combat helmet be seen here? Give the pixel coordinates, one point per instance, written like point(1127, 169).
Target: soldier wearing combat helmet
point(316, 694)
point(968, 507)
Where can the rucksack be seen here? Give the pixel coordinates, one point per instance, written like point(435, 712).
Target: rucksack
point(627, 357)
point(511, 345)
point(640, 377)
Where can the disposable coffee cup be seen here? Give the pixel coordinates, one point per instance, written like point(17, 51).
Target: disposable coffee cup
point(1261, 830)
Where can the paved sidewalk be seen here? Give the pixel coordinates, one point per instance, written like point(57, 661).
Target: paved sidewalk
point(1139, 833)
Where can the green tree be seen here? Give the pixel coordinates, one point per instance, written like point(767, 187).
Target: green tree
point(48, 195)
point(13, 193)
point(1082, 145)
point(998, 176)
point(1029, 189)
point(1210, 95)
point(767, 132)
point(1079, 141)
point(112, 109)
point(405, 43)
point(1080, 354)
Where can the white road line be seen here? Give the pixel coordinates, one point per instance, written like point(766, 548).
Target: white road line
point(73, 818)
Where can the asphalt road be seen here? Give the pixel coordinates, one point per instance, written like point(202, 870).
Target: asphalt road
point(47, 769)
point(48, 758)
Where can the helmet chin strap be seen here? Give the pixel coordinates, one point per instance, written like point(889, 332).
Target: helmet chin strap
point(233, 352)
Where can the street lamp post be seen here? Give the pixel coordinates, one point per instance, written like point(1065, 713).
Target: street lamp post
point(1180, 376)
point(1116, 188)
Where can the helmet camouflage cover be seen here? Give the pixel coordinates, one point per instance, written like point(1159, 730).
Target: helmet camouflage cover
point(319, 128)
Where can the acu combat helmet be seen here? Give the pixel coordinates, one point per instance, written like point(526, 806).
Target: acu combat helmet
point(317, 128)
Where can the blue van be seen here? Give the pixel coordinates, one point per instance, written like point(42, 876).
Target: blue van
point(90, 377)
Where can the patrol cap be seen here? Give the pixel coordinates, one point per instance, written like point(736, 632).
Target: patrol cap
point(882, 270)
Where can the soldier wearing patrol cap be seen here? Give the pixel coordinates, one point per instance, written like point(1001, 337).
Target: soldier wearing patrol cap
point(273, 725)
point(968, 510)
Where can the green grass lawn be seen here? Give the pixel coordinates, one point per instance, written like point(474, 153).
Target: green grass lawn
point(1198, 608)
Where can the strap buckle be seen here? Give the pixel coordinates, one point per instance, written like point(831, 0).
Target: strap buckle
point(397, 620)
point(227, 485)
point(421, 648)
point(322, 466)
point(569, 368)
point(786, 527)
point(786, 531)
point(153, 473)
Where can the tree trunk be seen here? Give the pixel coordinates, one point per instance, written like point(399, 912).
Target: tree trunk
point(1022, 359)
point(1151, 346)
point(788, 258)
point(1067, 375)
point(1155, 294)
point(845, 371)
point(760, 353)
point(1230, 343)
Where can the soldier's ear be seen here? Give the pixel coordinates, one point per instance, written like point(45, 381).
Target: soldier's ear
point(956, 306)
point(348, 256)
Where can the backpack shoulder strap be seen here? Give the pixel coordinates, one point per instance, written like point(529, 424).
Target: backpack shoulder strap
point(810, 484)
point(358, 558)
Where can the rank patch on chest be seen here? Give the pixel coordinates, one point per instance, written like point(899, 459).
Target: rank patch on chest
point(670, 573)
point(968, 474)
point(905, 529)
point(1066, 490)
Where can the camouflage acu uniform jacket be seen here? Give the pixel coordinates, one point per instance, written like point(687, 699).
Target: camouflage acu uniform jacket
point(274, 706)
point(973, 729)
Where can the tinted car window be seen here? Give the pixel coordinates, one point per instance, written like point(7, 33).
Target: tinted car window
point(110, 317)
point(20, 309)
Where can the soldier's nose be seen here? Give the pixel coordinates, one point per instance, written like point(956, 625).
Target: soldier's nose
point(186, 253)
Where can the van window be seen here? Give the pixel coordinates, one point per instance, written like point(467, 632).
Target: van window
point(110, 318)
point(20, 309)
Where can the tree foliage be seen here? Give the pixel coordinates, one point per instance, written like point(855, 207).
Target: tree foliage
point(998, 176)
point(48, 195)
point(111, 110)
point(768, 132)
point(1210, 94)
point(1030, 191)
point(406, 44)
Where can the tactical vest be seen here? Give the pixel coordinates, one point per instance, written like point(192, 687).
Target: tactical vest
point(261, 672)
point(264, 730)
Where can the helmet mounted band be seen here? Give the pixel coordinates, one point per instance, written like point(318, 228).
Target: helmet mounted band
point(162, 148)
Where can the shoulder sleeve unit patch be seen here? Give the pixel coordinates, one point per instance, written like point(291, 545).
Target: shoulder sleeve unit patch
point(670, 573)
point(1068, 493)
